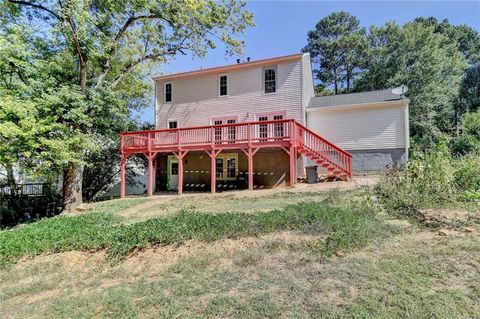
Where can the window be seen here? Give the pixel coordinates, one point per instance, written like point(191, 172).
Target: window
point(172, 124)
point(226, 166)
point(168, 92)
point(269, 79)
point(223, 85)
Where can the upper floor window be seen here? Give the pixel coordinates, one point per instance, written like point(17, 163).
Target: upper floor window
point(269, 79)
point(223, 85)
point(168, 92)
point(172, 124)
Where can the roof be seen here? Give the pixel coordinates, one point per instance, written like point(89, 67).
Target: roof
point(231, 67)
point(354, 99)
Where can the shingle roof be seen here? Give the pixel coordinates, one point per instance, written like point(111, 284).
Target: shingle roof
point(353, 98)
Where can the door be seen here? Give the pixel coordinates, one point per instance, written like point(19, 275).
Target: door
point(271, 131)
point(225, 134)
point(172, 175)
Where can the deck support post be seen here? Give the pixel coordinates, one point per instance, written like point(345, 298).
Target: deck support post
point(293, 165)
point(122, 175)
point(213, 169)
point(250, 169)
point(181, 155)
point(250, 152)
point(150, 158)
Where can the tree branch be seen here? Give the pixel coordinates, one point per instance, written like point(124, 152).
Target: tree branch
point(130, 21)
point(37, 6)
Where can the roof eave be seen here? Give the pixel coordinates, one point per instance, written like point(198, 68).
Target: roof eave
point(230, 67)
point(373, 104)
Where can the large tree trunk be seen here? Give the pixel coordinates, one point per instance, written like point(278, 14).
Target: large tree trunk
point(72, 186)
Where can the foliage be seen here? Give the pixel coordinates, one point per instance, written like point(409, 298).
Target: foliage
point(346, 228)
point(82, 65)
point(433, 179)
point(336, 46)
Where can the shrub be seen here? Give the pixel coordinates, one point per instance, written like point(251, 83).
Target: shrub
point(433, 179)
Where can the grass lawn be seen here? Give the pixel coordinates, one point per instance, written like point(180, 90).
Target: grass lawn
point(279, 255)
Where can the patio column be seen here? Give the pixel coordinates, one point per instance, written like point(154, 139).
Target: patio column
point(293, 165)
point(180, 172)
point(150, 174)
point(122, 176)
point(213, 172)
point(250, 169)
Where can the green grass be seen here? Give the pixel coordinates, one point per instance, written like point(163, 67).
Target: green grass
point(346, 227)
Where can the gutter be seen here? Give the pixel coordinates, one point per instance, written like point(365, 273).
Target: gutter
point(348, 106)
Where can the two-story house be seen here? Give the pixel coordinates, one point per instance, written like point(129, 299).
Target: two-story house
point(256, 124)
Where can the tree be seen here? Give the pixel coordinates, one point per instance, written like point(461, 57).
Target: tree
point(428, 62)
point(96, 54)
point(337, 46)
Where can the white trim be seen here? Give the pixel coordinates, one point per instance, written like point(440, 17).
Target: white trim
point(173, 120)
point(165, 92)
point(218, 84)
point(224, 118)
point(340, 107)
point(270, 115)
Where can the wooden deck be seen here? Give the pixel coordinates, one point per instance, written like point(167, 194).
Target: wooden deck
point(289, 135)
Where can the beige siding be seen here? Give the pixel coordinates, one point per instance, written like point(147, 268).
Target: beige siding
point(196, 100)
point(360, 128)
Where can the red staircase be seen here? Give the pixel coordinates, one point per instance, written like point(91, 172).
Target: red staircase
point(336, 162)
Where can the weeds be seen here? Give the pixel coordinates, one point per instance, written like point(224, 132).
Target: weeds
point(346, 228)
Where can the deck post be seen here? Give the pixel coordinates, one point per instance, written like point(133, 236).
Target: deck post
point(122, 176)
point(150, 175)
point(213, 172)
point(293, 166)
point(250, 168)
point(180, 172)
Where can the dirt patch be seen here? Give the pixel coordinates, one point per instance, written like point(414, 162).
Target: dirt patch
point(447, 218)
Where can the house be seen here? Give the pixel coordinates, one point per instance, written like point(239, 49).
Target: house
point(257, 124)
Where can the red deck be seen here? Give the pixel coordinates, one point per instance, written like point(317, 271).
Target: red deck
point(289, 135)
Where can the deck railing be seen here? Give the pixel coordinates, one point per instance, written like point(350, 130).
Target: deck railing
point(237, 133)
point(325, 150)
point(231, 135)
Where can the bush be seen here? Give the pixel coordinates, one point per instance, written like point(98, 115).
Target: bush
point(467, 176)
point(433, 179)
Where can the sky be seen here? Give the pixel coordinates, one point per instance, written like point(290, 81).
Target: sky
point(282, 26)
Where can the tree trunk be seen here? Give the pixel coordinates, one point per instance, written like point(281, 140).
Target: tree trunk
point(72, 186)
point(83, 75)
point(11, 180)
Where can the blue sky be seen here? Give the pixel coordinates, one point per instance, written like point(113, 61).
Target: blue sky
point(282, 26)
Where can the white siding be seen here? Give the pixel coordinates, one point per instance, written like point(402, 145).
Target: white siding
point(307, 82)
point(361, 128)
point(196, 100)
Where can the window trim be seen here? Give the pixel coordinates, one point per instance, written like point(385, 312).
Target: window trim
point(275, 68)
point(165, 92)
point(219, 87)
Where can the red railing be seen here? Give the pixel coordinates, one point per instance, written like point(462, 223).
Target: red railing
point(225, 134)
point(237, 134)
point(325, 150)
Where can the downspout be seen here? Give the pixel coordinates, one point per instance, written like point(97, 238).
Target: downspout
point(407, 130)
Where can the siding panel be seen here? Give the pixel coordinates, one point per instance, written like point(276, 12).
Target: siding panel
point(196, 100)
point(360, 129)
